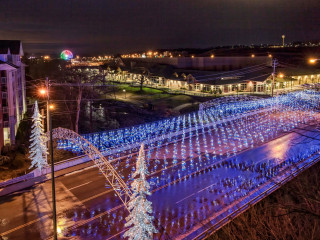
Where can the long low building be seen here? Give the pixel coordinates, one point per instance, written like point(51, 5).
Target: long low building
point(254, 79)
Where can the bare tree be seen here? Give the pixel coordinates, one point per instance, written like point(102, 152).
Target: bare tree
point(144, 75)
point(72, 84)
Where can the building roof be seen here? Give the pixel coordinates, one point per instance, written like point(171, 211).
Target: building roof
point(12, 65)
point(298, 71)
point(257, 73)
point(7, 66)
point(14, 46)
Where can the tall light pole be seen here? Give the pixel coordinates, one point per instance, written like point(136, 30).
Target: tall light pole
point(274, 63)
point(49, 128)
point(283, 37)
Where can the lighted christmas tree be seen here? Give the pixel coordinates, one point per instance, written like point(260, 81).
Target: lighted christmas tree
point(38, 148)
point(140, 218)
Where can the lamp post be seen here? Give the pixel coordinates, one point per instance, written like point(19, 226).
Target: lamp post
point(49, 128)
point(124, 93)
point(281, 75)
point(250, 87)
point(313, 60)
point(283, 37)
point(274, 63)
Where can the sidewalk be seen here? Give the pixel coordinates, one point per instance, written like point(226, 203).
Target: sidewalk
point(15, 187)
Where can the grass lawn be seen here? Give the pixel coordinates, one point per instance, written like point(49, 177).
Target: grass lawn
point(134, 89)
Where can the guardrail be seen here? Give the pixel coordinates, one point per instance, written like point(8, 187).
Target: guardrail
point(17, 180)
point(256, 199)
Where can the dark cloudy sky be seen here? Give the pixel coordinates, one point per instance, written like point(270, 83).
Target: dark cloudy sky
point(113, 26)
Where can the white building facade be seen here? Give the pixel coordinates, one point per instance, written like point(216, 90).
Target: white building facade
point(13, 90)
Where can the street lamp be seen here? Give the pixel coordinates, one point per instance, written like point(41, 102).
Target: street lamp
point(313, 60)
point(250, 86)
point(45, 92)
point(281, 75)
point(124, 93)
point(42, 91)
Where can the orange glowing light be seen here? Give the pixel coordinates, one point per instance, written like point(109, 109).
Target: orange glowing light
point(42, 91)
point(312, 61)
point(51, 107)
point(281, 75)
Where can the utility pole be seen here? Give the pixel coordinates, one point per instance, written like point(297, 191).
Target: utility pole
point(42, 114)
point(274, 63)
point(47, 89)
point(49, 128)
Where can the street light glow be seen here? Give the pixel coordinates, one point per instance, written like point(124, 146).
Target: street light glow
point(281, 75)
point(312, 60)
point(42, 91)
point(51, 107)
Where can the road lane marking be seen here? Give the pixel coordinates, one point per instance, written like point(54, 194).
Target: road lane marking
point(185, 198)
point(22, 226)
point(80, 170)
point(95, 196)
point(79, 185)
point(117, 234)
point(206, 188)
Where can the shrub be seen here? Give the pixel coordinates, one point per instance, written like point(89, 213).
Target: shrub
point(18, 161)
point(4, 160)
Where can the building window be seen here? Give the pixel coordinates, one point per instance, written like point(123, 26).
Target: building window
point(3, 80)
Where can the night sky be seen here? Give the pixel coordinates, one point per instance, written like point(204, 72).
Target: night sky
point(118, 26)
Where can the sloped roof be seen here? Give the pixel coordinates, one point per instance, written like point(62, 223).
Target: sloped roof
point(155, 69)
point(12, 65)
point(256, 74)
point(6, 66)
point(298, 71)
point(12, 45)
